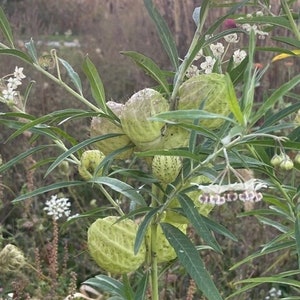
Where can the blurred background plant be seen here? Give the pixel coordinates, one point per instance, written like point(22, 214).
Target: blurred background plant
point(75, 28)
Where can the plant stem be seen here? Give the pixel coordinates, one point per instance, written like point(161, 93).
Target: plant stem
point(153, 245)
point(154, 269)
point(68, 89)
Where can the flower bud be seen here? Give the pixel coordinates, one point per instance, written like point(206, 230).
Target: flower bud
point(111, 244)
point(276, 160)
point(287, 164)
point(297, 158)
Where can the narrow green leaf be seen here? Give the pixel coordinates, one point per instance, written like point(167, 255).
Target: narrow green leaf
point(274, 224)
point(17, 53)
point(297, 237)
point(273, 118)
point(32, 50)
point(121, 187)
point(16, 159)
point(142, 230)
point(5, 28)
point(72, 74)
point(280, 280)
point(48, 188)
point(287, 40)
point(150, 67)
point(272, 20)
point(96, 84)
point(218, 228)
point(276, 95)
point(142, 287)
point(107, 284)
point(275, 248)
point(77, 147)
point(164, 33)
point(189, 114)
point(233, 101)
point(128, 292)
point(198, 222)
point(190, 259)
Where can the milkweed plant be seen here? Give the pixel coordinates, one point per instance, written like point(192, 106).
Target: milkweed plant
point(173, 153)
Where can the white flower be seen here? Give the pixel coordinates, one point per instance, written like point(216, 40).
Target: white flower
point(58, 207)
point(259, 13)
point(199, 55)
point(8, 94)
point(239, 56)
point(217, 49)
point(19, 73)
point(192, 71)
point(208, 64)
point(261, 34)
point(231, 38)
point(13, 83)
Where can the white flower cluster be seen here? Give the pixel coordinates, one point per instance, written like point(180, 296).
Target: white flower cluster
point(244, 191)
point(9, 92)
point(217, 54)
point(274, 294)
point(58, 207)
point(257, 30)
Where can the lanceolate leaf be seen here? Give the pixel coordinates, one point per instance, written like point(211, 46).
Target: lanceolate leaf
point(121, 187)
point(297, 237)
point(198, 222)
point(164, 33)
point(72, 74)
point(5, 28)
point(48, 188)
point(190, 259)
point(16, 53)
point(95, 82)
point(150, 68)
point(31, 50)
point(107, 284)
point(277, 94)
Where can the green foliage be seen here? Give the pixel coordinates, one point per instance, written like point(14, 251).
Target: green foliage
point(229, 162)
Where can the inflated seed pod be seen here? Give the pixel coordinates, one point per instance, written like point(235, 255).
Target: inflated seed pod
point(209, 91)
point(89, 162)
point(111, 245)
point(166, 168)
point(144, 133)
point(102, 126)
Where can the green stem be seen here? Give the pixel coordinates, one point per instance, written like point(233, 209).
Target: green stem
point(68, 89)
point(111, 200)
point(153, 245)
point(154, 267)
point(291, 19)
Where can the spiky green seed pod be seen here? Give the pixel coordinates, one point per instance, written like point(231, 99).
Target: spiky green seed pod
point(101, 126)
point(89, 163)
point(209, 91)
point(111, 245)
point(166, 168)
point(144, 133)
